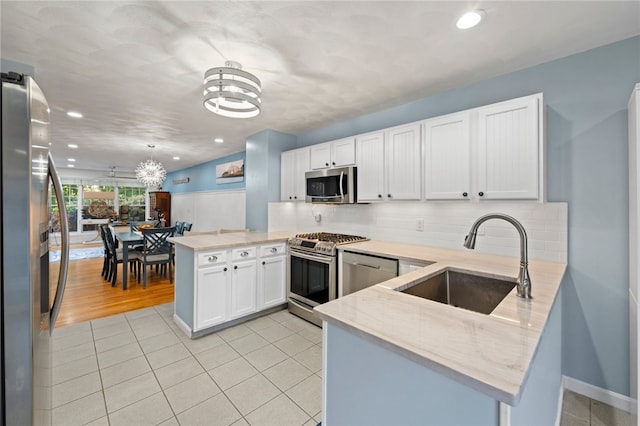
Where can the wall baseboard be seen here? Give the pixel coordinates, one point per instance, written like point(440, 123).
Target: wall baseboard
point(619, 401)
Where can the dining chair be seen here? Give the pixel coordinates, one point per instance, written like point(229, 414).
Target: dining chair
point(106, 265)
point(179, 228)
point(157, 250)
point(116, 258)
point(186, 226)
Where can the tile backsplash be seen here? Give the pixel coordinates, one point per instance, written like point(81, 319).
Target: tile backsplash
point(444, 224)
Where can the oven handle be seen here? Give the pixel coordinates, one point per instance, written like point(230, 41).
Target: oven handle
point(322, 259)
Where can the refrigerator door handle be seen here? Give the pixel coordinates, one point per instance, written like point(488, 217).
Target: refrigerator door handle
point(64, 242)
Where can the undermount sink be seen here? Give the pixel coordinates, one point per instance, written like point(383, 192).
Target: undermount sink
point(463, 290)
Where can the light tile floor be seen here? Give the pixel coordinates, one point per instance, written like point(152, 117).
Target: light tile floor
point(579, 410)
point(138, 368)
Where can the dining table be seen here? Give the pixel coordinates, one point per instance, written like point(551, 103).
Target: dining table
point(128, 239)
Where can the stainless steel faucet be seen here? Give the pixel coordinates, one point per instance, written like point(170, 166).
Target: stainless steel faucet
point(524, 282)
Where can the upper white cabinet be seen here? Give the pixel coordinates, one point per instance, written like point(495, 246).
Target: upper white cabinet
point(294, 164)
point(509, 150)
point(402, 169)
point(389, 164)
point(447, 154)
point(370, 163)
point(338, 153)
point(491, 152)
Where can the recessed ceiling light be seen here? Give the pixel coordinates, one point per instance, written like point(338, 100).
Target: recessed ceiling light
point(72, 145)
point(176, 158)
point(218, 140)
point(72, 160)
point(470, 19)
point(70, 165)
point(74, 114)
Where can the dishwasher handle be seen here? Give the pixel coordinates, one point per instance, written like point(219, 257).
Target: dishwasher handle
point(366, 266)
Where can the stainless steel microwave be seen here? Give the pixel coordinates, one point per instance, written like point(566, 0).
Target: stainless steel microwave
point(331, 186)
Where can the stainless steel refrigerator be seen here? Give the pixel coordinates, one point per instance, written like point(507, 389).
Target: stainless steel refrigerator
point(27, 312)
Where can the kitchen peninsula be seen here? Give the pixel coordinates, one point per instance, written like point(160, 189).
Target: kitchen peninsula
point(224, 279)
point(414, 361)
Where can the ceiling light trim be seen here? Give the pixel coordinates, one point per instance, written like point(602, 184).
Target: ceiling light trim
point(231, 92)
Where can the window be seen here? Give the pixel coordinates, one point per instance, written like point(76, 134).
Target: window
point(70, 195)
point(131, 200)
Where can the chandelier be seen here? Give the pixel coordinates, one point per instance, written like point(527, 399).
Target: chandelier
point(150, 173)
point(231, 92)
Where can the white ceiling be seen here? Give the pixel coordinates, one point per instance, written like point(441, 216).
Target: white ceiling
point(135, 68)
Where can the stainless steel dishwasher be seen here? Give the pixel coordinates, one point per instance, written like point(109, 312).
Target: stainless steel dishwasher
point(358, 271)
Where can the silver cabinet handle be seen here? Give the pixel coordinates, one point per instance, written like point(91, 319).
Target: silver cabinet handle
point(212, 258)
point(244, 254)
point(273, 250)
point(64, 242)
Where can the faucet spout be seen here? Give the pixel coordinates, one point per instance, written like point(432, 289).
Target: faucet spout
point(524, 281)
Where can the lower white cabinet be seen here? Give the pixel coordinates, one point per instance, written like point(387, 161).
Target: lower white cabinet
point(212, 291)
point(272, 282)
point(243, 288)
point(231, 284)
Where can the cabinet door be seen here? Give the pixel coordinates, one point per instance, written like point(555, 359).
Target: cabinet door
point(211, 296)
point(403, 163)
point(272, 282)
point(243, 288)
point(370, 164)
point(508, 149)
point(287, 175)
point(321, 156)
point(343, 152)
point(301, 167)
point(447, 157)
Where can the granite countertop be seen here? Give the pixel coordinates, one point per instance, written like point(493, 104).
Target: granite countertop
point(490, 353)
point(214, 241)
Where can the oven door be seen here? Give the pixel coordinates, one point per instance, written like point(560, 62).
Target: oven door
point(311, 278)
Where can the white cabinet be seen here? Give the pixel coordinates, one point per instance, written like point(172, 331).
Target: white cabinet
point(211, 293)
point(491, 152)
point(370, 163)
point(389, 164)
point(403, 161)
point(294, 164)
point(447, 157)
point(243, 288)
point(509, 151)
point(272, 276)
point(237, 282)
point(338, 153)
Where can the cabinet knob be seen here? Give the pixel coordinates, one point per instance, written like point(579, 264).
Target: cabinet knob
point(481, 194)
point(388, 195)
point(295, 197)
point(264, 263)
point(464, 194)
point(290, 197)
point(379, 195)
point(225, 269)
point(326, 164)
point(333, 163)
point(235, 267)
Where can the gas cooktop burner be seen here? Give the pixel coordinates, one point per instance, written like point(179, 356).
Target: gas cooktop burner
point(330, 237)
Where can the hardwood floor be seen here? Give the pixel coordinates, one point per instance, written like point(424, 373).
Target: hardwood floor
point(88, 296)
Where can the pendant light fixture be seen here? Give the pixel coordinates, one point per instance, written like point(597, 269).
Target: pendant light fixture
point(231, 92)
point(150, 173)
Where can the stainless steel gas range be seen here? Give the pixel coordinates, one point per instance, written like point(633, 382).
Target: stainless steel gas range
point(312, 271)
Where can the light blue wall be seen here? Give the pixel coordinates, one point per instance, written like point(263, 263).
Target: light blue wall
point(202, 177)
point(586, 99)
point(263, 174)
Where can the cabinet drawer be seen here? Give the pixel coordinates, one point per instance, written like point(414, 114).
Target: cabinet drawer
point(211, 258)
point(273, 249)
point(243, 253)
